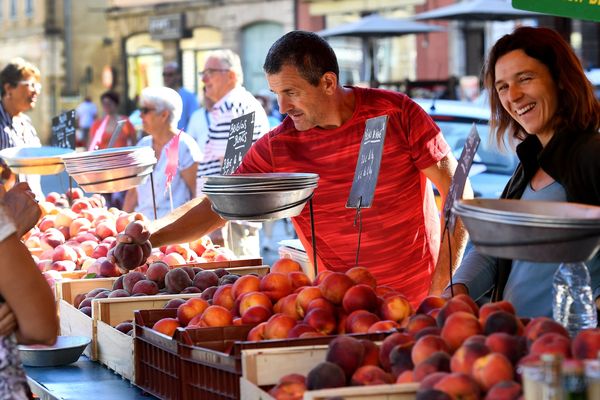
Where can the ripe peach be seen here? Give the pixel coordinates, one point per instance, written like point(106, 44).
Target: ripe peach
point(426, 346)
point(223, 296)
point(586, 344)
point(512, 346)
point(453, 305)
point(298, 280)
point(383, 326)
point(145, 287)
point(370, 375)
point(325, 375)
point(166, 326)
point(459, 386)
point(347, 352)
point(437, 362)
point(256, 314)
point(361, 275)
point(205, 279)
point(257, 333)
point(305, 296)
point(64, 252)
point(458, 327)
point(173, 259)
point(360, 321)
point(469, 301)
point(216, 316)
point(400, 358)
point(502, 321)
point(321, 319)
point(200, 245)
point(430, 380)
point(288, 390)
point(464, 357)
point(322, 303)
point(504, 390)
point(245, 284)
point(276, 285)
point(286, 265)
point(388, 344)
point(156, 272)
point(299, 329)
point(553, 343)
point(130, 279)
point(321, 276)
point(334, 287)
point(278, 326)
point(191, 308)
point(174, 303)
point(491, 369)
point(371, 352)
point(383, 290)
point(79, 225)
point(540, 325)
point(252, 299)
point(396, 308)
point(176, 280)
point(405, 377)
point(360, 297)
point(489, 308)
point(419, 321)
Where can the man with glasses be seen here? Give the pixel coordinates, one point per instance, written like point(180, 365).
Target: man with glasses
point(19, 87)
point(223, 78)
point(172, 79)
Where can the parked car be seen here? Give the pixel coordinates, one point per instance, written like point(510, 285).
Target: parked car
point(491, 167)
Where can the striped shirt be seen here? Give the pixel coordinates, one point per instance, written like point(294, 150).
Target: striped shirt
point(234, 104)
point(401, 231)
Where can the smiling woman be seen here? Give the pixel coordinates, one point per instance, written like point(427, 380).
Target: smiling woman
point(19, 87)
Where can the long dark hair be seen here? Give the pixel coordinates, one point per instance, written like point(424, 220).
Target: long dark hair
point(578, 108)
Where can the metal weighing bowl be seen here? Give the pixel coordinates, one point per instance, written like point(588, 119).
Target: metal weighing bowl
point(112, 152)
point(47, 169)
point(114, 185)
point(494, 235)
point(240, 179)
point(93, 176)
point(66, 350)
point(258, 206)
point(30, 156)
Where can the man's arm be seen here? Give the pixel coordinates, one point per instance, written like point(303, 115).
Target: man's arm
point(186, 223)
point(440, 174)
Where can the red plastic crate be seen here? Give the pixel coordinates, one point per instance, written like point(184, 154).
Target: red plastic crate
point(211, 358)
point(157, 362)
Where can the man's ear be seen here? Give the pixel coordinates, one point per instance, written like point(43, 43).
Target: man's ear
point(330, 82)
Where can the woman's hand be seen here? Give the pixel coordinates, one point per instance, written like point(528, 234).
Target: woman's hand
point(20, 204)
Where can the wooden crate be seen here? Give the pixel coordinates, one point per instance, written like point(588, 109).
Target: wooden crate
point(264, 367)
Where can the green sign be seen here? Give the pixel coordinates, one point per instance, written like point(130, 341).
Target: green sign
point(578, 9)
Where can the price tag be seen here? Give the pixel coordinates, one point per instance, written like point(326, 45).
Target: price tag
point(238, 143)
point(460, 176)
point(63, 130)
point(367, 166)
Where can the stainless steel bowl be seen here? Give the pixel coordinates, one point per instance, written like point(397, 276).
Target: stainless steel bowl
point(47, 169)
point(108, 153)
point(92, 176)
point(66, 350)
point(260, 178)
point(530, 239)
point(30, 156)
point(114, 185)
point(258, 206)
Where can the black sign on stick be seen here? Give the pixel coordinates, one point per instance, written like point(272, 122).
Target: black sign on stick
point(367, 166)
point(239, 142)
point(460, 176)
point(63, 130)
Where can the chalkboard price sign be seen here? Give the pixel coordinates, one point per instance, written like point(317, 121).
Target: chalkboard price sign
point(368, 163)
point(238, 143)
point(460, 176)
point(63, 130)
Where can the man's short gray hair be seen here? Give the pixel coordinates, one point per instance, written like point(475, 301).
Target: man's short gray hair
point(229, 59)
point(164, 98)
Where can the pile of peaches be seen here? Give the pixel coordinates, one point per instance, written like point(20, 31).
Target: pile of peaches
point(80, 236)
point(286, 304)
point(454, 349)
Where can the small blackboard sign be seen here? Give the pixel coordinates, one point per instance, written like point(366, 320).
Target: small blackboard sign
point(241, 131)
point(369, 161)
point(63, 130)
point(460, 175)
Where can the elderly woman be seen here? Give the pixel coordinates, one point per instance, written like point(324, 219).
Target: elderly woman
point(19, 87)
point(160, 110)
point(540, 98)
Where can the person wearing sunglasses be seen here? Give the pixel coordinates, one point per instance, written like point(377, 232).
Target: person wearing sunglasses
point(172, 79)
point(160, 109)
point(19, 89)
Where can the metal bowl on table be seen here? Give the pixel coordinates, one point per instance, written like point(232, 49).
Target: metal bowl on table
point(115, 185)
point(538, 237)
point(262, 178)
point(47, 169)
point(66, 350)
point(30, 156)
point(92, 176)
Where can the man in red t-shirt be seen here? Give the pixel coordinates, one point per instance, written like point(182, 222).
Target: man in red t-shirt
point(321, 134)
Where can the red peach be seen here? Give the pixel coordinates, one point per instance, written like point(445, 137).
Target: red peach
point(216, 316)
point(298, 280)
point(322, 320)
point(371, 375)
point(223, 296)
point(513, 347)
point(361, 275)
point(426, 346)
point(586, 344)
point(278, 326)
point(334, 287)
point(383, 326)
point(360, 321)
point(459, 386)
point(491, 369)
point(190, 309)
point(246, 284)
point(252, 299)
point(287, 306)
point(255, 315)
point(388, 344)
point(420, 321)
point(504, 390)
point(305, 296)
point(553, 343)
point(541, 325)
point(166, 326)
point(465, 356)
point(458, 327)
point(360, 297)
point(286, 265)
point(276, 285)
point(396, 308)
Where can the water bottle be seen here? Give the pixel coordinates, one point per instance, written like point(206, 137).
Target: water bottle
point(573, 305)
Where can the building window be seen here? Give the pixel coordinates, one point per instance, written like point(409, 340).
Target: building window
point(13, 9)
point(29, 8)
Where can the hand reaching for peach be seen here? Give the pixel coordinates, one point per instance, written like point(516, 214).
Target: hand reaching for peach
point(133, 246)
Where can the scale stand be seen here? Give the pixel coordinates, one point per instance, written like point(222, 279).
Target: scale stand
point(153, 195)
point(312, 232)
point(70, 196)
